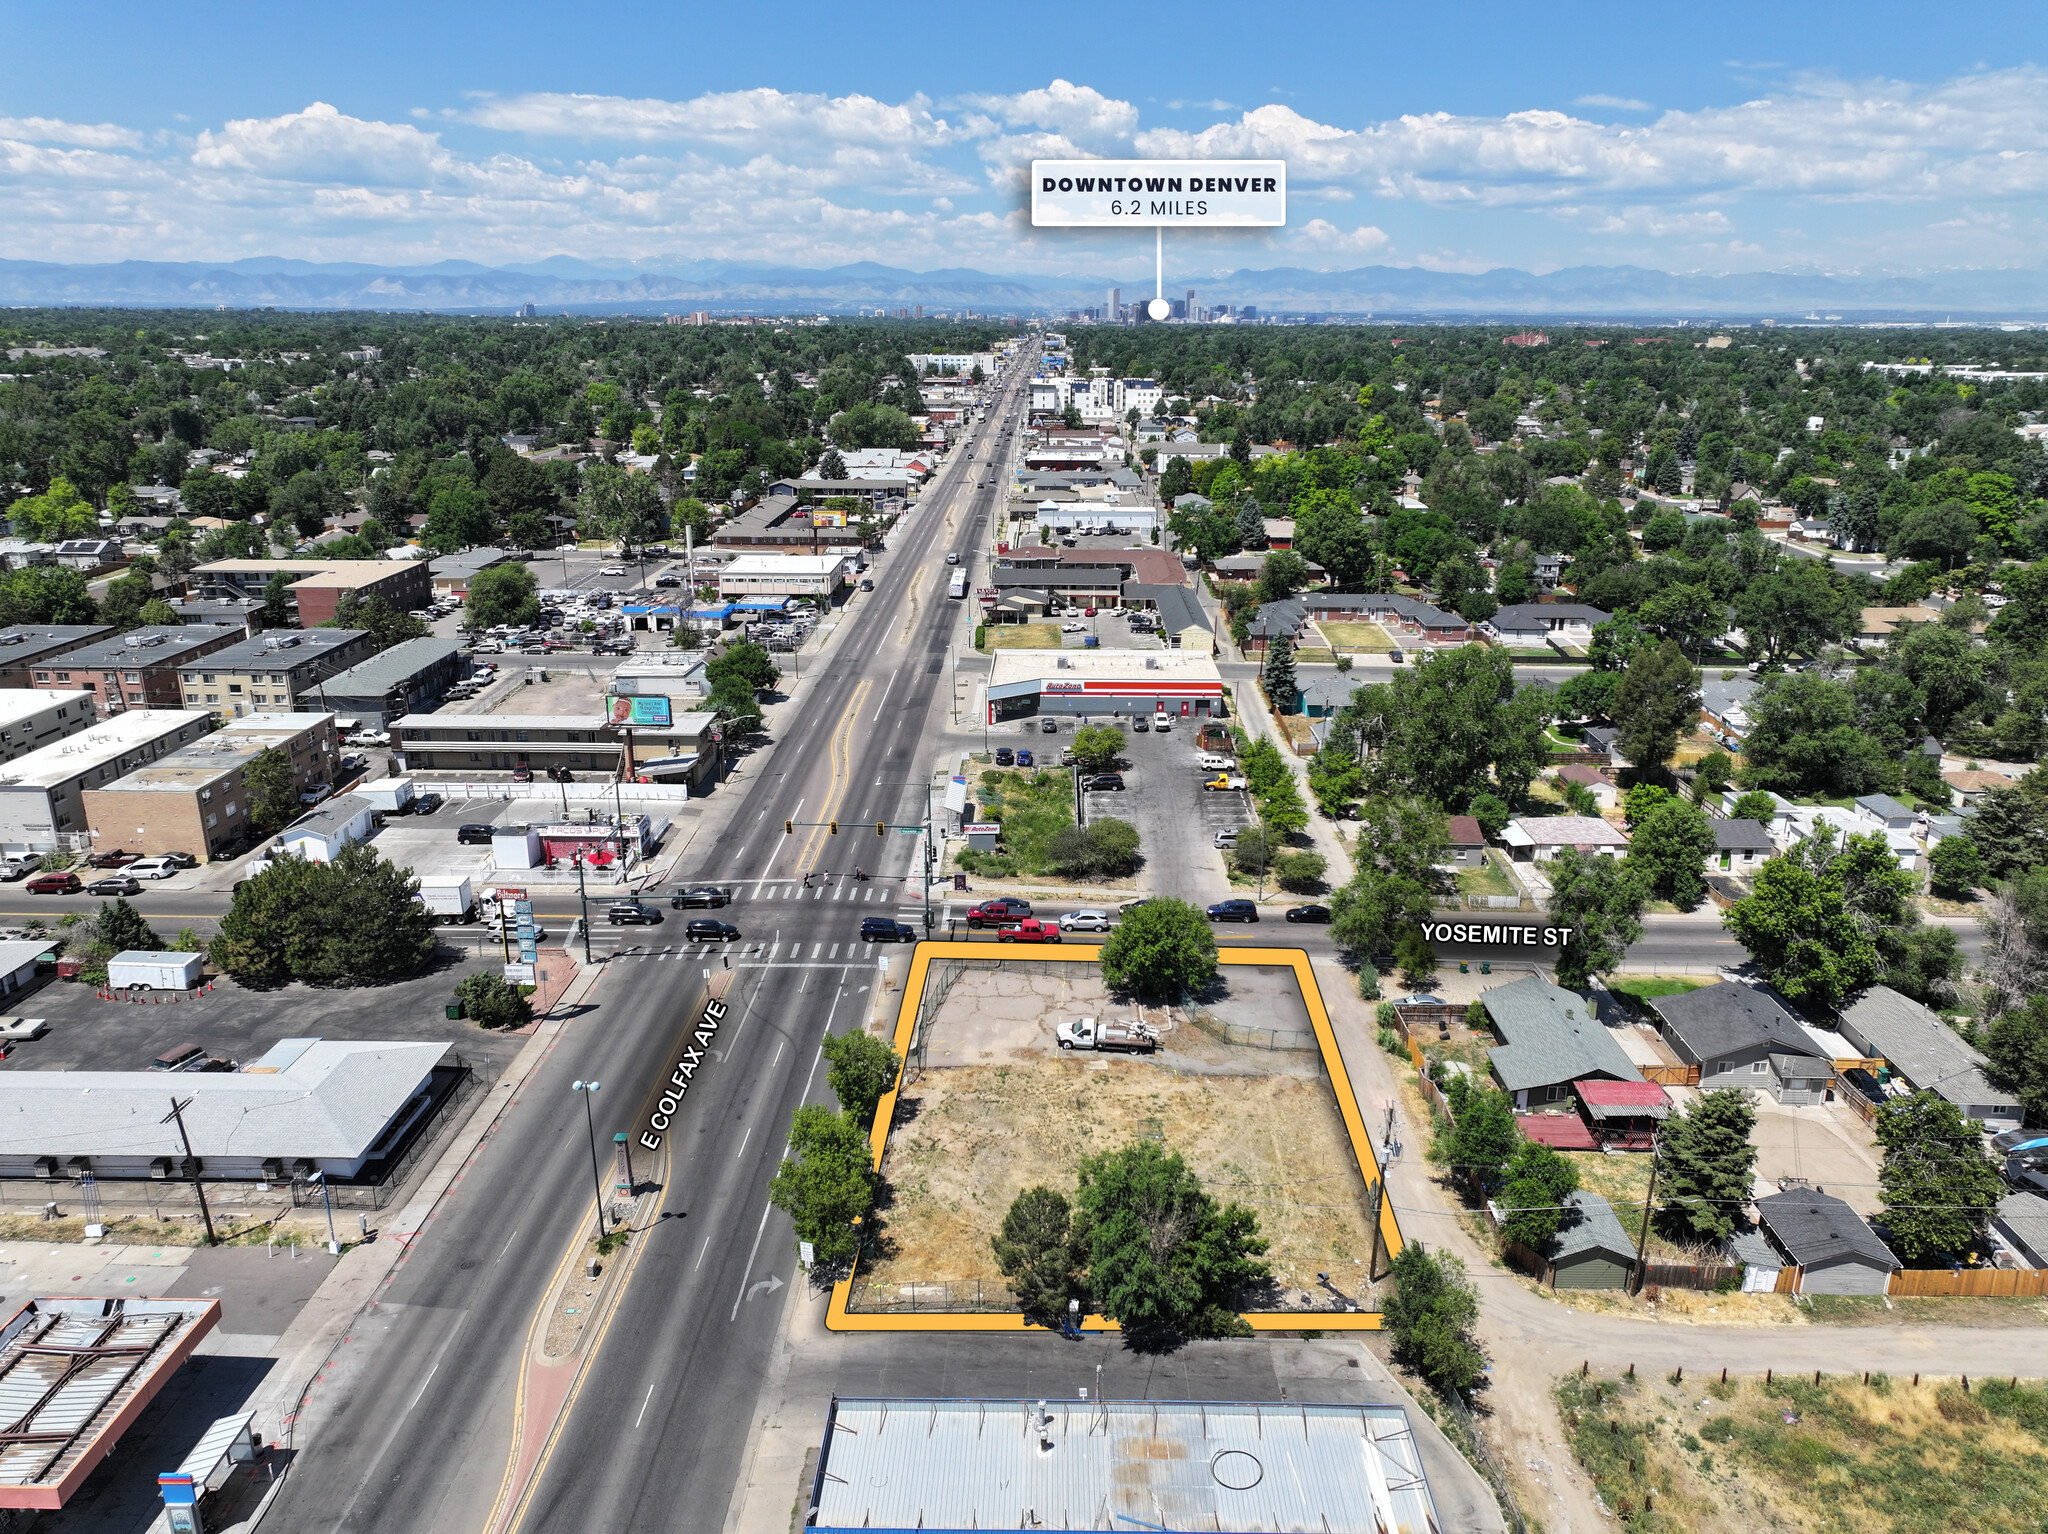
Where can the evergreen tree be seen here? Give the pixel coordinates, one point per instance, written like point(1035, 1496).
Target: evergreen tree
point(122, 929)
point(1939, 1187)
point(1039, 1253)
point(1659, 698)
point(1251, 525)
point(1704, 1161)
point(831, 466)
point(1278, 675)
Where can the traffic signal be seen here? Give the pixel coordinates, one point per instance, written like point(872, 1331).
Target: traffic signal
point(880, 828)
point(789, 828)
point(835, 828)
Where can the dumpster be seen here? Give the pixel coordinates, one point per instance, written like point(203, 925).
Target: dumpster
point(454, 1011)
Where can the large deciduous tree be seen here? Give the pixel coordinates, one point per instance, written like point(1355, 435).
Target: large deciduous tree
point(1599, 902)
point(1431, 1314)
point(1658, 700)
point(1162, 949)
point(1939, 1187)
point(827, 1182)
point(1451, 727)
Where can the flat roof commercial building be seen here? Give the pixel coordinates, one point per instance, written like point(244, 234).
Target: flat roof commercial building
point(1104, 684)
point(274, 671)
point(196, 799)
point(773, 526)
point(784, 575)
point(32, 717)
point(1072, 1465)
point(474, 743)
point(25, 650)
point(42, 795)
point(138, 669)
point(404, 679)
point(316, 586)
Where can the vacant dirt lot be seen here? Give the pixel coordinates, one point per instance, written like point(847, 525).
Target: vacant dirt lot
point(998, 1108)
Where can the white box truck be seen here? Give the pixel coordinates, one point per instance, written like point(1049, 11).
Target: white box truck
point(389, 796)
point(138, 970)
point(450, 901)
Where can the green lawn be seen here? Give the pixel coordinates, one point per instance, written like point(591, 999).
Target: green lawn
point(1023, 636)
point(1487, 879)
point(1357, 638)
point(1032, 804)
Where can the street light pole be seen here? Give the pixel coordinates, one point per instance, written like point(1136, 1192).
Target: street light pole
point(589, 1090)
point(327, 1198)
point(583, 899)
point(177, 1114)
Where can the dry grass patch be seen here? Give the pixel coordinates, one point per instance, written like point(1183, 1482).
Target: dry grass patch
point(1024, 636)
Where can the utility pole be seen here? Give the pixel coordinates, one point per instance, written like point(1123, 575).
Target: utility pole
point(583, 899)
point(177, 1115)
point(1649, 1202)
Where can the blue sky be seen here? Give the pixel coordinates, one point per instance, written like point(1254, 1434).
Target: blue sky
point(1729, 137)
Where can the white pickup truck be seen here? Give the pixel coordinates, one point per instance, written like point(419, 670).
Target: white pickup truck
point(1092, 1033)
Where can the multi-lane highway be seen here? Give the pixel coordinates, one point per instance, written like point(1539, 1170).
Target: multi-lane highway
point(415, 1431)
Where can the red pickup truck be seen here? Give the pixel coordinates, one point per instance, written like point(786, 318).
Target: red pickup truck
point(1029, 930)
point(997, 912)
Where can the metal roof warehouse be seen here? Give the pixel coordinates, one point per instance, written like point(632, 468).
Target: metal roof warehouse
point(947, 1465)
point(1104, 683)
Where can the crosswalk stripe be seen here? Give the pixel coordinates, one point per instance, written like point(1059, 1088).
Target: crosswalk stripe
point(834, 953)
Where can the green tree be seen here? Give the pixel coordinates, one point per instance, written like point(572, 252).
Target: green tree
point(1329, 531)
point(58, 513)
point(502, 594)
point(278, 610)
point(1955, 868)
point(46, 594)
point(617, 506)
point(1805, 738)
point(1814, 917)
point(1641, 799)
point(492, 1001)
point(1301, 872)
point(1281, 573)
point(124, 600)
point(1794, 609)
point(1704, 1162)
point(869, 425)
point(1939, 1187)
point(1670, 845)
point(2016, 1044)
point(1431, 1314)
point(827, 1183)
point(272, 789)
point(1251, 532)
point(1539, 1180)
point(1483, 1137)
point(122, 929)
point(1040, 1253)
point(1440, 726)
point(351, 921)
point(861, 1070)
point(1756, 805)
point(1162, 949)
point(1599, 902)
point(385, 624)
point(1491, 813)
point(1400, 840)
point(1278, 675)
point(1112, 846)
point(1097, 747)
point(1163, 1257)
point(734, 703)
point(1659, 699)
point(746, 663)
point(832, 466)
point(1335, 780)
point(2010, 828)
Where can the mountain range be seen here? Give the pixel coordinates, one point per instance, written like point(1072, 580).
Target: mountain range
point(567, 284)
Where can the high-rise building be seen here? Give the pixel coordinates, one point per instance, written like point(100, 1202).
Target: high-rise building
point(1115, 309)
point(1191, 303)
point(920, 311)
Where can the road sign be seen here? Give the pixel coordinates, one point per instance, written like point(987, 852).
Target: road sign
point(519, 974)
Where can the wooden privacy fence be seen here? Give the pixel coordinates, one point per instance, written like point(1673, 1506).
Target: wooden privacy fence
point(1970, 1281)
point(1865, 1108)
point(1671, 1075)
point(1678, 1275)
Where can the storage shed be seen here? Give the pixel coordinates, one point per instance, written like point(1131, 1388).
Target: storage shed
point(1832, 1245)
point(1590, 1250)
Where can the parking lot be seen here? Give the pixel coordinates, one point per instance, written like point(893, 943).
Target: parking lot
point(1177, 819)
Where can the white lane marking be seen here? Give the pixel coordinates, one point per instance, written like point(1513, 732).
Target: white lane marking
point(758, 1231)
point(743, 1143)
point(778, 1054)
point(885, 693)
point(508, 1244)
point(643, 1405)
point(700, 1254)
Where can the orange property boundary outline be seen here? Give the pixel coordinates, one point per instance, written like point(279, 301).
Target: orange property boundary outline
point(837, 1316)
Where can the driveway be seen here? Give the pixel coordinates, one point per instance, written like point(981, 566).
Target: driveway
point(1827, 1144)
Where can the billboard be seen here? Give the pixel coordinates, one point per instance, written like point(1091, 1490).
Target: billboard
point(1143, 194)
point(638, 713)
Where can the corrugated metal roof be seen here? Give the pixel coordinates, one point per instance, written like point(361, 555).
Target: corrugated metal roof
point(1279, 1466)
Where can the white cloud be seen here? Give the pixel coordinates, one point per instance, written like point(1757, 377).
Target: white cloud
point(52, 130)
point(762, 119)
point(1325, 237)
point(1617, 103)
point(1080, 112)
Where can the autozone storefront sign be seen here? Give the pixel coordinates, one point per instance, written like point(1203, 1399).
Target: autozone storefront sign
point(1494, 934)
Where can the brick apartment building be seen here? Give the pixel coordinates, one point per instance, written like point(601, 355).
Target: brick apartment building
point(316, 586)
point(24, 651)
point(273, 673)
point(138, 669)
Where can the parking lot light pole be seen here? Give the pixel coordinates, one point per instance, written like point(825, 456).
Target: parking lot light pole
point(327, 1198)
point(589, 1090)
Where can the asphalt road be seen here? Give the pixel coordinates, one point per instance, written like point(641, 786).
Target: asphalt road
point(415, 1431)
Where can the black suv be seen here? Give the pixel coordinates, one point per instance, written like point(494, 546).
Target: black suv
point(426, 804)
point(1233, 910)
point(701, 931)
point(709, 896)
point(475, 835)
point(1104, 782)
point(633, 912)
point(884, 929)
point(1005, 757)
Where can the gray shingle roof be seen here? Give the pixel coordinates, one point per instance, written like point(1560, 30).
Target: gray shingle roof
point(1551, 1037)
point(1884, 806)
point(1589, 1226)
point(1922, 1048)
point(1541, 615)
point(1815, 1228)
point(1740, 835)
point(2024, 1217)
point(1726, 1017)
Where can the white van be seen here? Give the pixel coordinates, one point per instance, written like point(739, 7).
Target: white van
point(151, 868)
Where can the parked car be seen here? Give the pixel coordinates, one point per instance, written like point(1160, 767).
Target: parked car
point(1222, 783)
point(369, 738)
point(426, 804)
point(1310, 913)
point(523, 773)
point(1209, 761)
point(1105, 783)
point(63, 883)
point(1162, 722)
point(707, 896)
point(316, 793)
point(611, 570)
point(1029, 930)
point(119, 884)
point(886, 929)
point(1140, 725)
point(668, 580)
point(118, 858)
point(1005, 757)
point(1049, 727)
point(1224, 840)
point(1233, 910)
point(702, 931)
point(637, 913)
point(474, 835)
point(179, 859)
point(993, 913)
point(1024, 757)
point(1073, 628)
point(16, 868)
point(1086, 921)
point(155, 868)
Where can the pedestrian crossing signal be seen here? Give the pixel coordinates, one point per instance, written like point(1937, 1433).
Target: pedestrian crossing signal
point(881, 829)
point(835, 828)
point(789, 828)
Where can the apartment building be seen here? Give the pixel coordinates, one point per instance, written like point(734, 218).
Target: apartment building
point(42, 795)
point(273, 673)
point(196, 799)
point(481, 743)
point(31, 718)
point(25, 651)
point(316, 586)
point(139, 669)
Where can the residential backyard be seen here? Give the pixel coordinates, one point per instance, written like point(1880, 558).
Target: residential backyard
point(1489, 878)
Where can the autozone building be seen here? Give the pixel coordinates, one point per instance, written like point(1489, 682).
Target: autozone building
point(1102, 684)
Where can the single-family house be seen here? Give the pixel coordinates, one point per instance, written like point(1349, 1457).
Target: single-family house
point(1529, 625)
point(1784, 813)
point(1590, 1249)
point(1548, 568)
point(1550, 1040)
point(321, 835)
point(1832, 1246)
point(1929, 1056)
point(1724, 707)
point(1740, 846)
point(1739, 1036)
point(1327, 693)
point(1599, 781)
point(1468, 843)
point(1970, 787)
point(1539, 838)
point(2021, 1222)
point(1880, 623)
